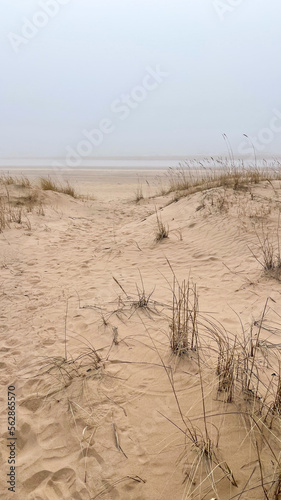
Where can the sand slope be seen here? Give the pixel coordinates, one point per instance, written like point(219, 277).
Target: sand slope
point(101, 422)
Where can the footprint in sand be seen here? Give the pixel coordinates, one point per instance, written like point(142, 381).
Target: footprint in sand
point(48, 437)
point(34, 481)
point(35, 279)
point(49, 342)
point(32, 404)
point(61, 484)
point(23, 436)
point(4, 349)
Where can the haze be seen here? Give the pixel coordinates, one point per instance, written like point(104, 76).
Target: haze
point(148, 77)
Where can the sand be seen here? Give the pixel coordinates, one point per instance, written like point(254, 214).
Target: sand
point(99, 392)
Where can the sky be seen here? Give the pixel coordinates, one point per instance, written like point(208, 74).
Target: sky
point(93, 78)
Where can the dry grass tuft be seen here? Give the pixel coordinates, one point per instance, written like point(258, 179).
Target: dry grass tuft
point(139, 194)
point(47, 184)
point(15, 204)
point(24, 182)
point(276, 406)
point(269, 248)
point(226, 370)
point(143, 298)
point(64, 370)
point(162, 230)
point(29, 201)
point(9, 180)
point(183, 327)
point(140, 301)
point(9, 215)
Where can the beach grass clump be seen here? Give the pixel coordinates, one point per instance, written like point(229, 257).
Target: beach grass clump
point(66, 369)
point(270, 254)
point(24, 182)
point(3, 216)
point(141, 301)
point(68, 189)
point(48, 184)
point(162, 230)
point(273, 409)
point(271, 258)
point(183, 326)
point(9, 180)
point(9, 215)
point(228, 354)
point(276, 405)
point(226, 369)
point(28, 201)
point(139, 194)
point(14, 207)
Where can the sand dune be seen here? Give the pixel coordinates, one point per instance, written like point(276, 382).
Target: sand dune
point(104, 408)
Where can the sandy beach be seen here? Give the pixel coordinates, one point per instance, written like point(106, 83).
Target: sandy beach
point(105, 409)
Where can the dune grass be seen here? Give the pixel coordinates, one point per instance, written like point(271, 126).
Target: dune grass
point(190, 178)
point(48, 184)
point(268, 253)
point(243, 383)
point(9, 215)
point(139, 194)
point(162, 230)
point(227, 369)
point(183, 326)
point(21, 181)
point(13, 210)
point(18, 197)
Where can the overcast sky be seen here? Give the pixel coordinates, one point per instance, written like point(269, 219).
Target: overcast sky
point(139, 77)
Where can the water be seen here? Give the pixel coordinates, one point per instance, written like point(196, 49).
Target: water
point(135, 162)
point(123, 163)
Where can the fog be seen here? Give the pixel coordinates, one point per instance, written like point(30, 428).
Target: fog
point(139, 77)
